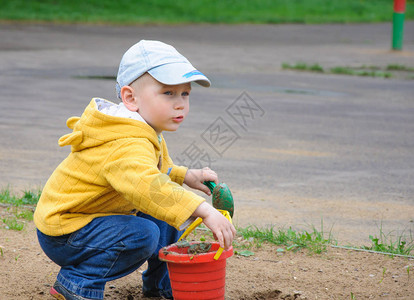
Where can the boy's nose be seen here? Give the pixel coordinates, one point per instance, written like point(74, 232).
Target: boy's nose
point(179, 103)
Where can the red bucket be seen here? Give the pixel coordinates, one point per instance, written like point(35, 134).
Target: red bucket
point(196, 276)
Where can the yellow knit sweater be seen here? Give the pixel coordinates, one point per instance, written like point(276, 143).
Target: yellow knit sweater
point(116, 166)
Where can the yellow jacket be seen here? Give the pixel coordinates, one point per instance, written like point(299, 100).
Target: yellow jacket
point(116, 166)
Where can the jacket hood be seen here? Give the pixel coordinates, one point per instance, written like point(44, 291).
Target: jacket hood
point(95, 128)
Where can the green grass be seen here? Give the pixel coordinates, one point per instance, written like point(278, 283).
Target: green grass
point(201, 11)
point(342, 71)
point(396, 67)
point(386, 243)
point(18, 209)
point(314, 240)
point(28, 197)
point(26, 214)
point(254, 237)
point(391, 71)
point(360, 72)
point(13, 224)
point(301, 66)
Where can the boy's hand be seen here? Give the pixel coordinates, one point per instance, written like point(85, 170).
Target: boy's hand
point(222, 229)
point(194, 178)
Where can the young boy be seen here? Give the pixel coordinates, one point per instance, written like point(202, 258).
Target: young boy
point(117, 198)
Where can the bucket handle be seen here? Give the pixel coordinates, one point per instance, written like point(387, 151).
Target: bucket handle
point(197, 222)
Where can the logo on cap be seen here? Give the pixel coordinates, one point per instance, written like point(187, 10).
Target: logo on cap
point(192, 73)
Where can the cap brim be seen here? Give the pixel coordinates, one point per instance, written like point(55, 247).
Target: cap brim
point(178, 73)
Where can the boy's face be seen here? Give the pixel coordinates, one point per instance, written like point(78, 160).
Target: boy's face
point(163, 107)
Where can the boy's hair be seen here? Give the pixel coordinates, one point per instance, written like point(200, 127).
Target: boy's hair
point(161, 61)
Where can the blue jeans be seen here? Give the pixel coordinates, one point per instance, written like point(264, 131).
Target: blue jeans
point(109, 248)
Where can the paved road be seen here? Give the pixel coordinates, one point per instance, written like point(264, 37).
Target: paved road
point(295, 148)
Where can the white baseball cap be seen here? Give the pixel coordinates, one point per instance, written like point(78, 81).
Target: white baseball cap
point(161, 61)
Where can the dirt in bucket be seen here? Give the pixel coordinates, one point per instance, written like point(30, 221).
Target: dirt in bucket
point(197, 248)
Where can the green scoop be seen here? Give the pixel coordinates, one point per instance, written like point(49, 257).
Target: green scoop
point(222, 197)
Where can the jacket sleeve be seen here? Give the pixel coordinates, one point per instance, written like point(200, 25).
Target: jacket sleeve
point(132, 171)
point(177, 174)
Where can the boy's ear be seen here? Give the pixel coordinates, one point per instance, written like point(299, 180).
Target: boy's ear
point(128, 98)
